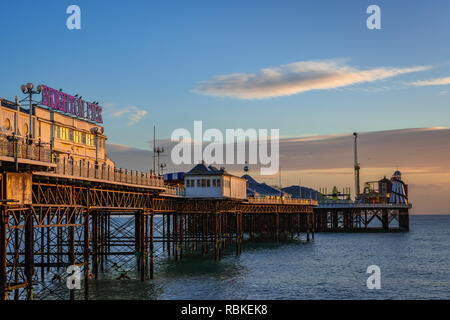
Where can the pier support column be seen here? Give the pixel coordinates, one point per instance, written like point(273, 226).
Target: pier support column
point(29, 253)
point(307, 226)
point(403, 219)
point(385, 219)
point(151, 246)
point(95, 245)
point(3, 253)
point(71, 249)
point(86, 255)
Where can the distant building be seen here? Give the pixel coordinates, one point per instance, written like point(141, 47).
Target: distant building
point(210, 182)
point(302, 192)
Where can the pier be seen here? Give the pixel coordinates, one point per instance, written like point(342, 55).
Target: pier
point(60, 214)
point(65, 204)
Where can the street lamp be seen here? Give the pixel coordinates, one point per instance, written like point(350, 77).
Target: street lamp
point(28, 89)
point(96, 131)
point(158, 151)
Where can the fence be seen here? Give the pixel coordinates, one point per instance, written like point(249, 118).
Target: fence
point(103, 172)
point(270, 200)
point(25, 150)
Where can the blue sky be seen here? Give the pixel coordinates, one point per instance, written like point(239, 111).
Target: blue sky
point(150, 56)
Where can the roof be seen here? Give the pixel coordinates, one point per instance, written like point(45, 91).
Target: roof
point(202, 169)
point(12, 105)
point(255, 188)
point(302, 192)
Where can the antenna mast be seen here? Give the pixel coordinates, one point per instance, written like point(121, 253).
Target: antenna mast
point(357, 167)
point(154, 149)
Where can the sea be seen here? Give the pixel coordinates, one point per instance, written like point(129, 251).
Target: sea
point(412, 265)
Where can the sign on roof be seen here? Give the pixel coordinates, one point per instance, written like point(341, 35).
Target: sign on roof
point(60, 101)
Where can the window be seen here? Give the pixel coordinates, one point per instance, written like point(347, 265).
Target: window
point(188, 183)
point(7, 124)
point(218, 182)
point(89, 139)
point(208, 183)
point(56, 132)
point(25, 129)
point(62, 133)
point(198, 183)
point(77, 136)
point(214, 182)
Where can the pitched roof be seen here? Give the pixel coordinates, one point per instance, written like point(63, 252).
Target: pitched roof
point(202, 169)
point(260, 189)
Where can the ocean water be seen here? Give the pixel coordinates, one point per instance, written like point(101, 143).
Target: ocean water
point(414, 265)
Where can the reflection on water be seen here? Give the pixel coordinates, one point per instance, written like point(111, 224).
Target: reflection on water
point(413, 265)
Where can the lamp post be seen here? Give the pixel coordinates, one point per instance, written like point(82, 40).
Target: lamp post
point(158, 151)
point(96, 131)
point(28, 89)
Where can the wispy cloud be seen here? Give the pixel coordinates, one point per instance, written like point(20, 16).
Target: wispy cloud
point(432, 82)
point(133, 113)
point(295, 78)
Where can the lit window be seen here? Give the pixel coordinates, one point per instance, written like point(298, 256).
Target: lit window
point(7, 124)
point(63, 133)
point(77, 136)
point(89, 139)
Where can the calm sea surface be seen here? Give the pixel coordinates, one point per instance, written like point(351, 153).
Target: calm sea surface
point(414, 265)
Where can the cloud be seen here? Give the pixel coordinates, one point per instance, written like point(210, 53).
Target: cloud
point(431, 82)
point(295, 78)
point(133, 113)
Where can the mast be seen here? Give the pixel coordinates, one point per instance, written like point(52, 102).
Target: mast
point(356, 164)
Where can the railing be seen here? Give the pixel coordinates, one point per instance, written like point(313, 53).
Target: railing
point(103, 172)
point(10, 146)
point(174, 191)
point(277, 200)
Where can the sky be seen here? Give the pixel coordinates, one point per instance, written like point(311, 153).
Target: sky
point(308, 68)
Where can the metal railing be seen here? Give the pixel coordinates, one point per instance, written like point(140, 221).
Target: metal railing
point(10, 147)
point(174, 191)
point(13, 147)
point(102, 172)
point(278, 200)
